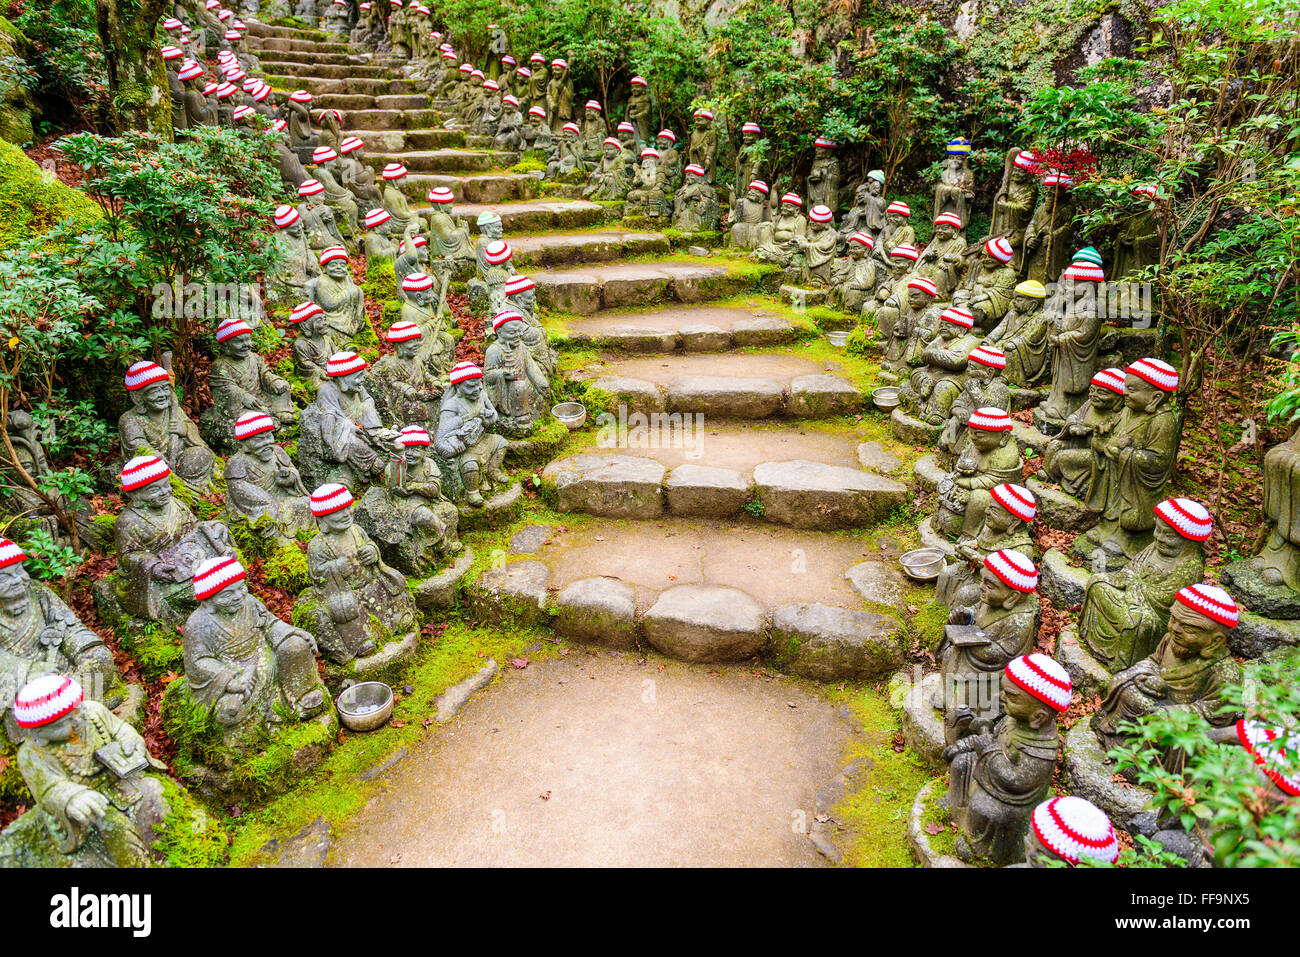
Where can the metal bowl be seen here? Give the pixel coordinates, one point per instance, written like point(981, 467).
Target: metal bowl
point(838, 337)
point(922, 564)
point(572, 414)
point(365, 706)
point(885, 398)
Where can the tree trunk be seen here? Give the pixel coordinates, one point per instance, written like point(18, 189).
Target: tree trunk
point(137, 79)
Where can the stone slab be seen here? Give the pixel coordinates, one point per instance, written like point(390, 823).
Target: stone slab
point(612, 486)
point(516, 591)
point(922, 720)
point(874, 457)
point(928, 473)
point(832, 644)
point(707, 491)
point(822, 396)
point(812, 495)
point(1088, 676)
point(706, 623)
point(1089, 775)
point(1060, 509)
point(725, 397)
point(878, 582)
point(597, 611)
point(911, 430)
point(1060, 581)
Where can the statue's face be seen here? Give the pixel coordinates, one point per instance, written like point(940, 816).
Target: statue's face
point(748, 138)
point(492, 229)
point(1169, 543)
point(754, 196)
point(421, 297)
point(980, 372)
point(407, 349)
point(261, 445)
point(918, 300)
point(1191, 634)
point(524, 300)
point(511, 333)
point(875, 187)
point(815, 227)
point(664, 143)
point(295, 230)
point(944, 232)
point(568, 135)
point(336, 268)
point(648, 166)
point(610, 151)
point(351, 383)
point(701, 123)
point(154, 495)
point(14, 590)
point(1140, 395)
point(471, 389)
point(1022, 706)
point(592, 114)
point(988, 262)
point(157, 397)
point(857, 250)
point(55, 731)
point(237, 347)
point(315, 325)
point(414, 454)
point(986, 441)
point(1025, 304)
point(994, 592)
point(557, 72)
point(996, 517)
point(230, 599)
point(339, 521)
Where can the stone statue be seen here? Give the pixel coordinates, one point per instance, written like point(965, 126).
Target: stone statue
point(1002, 769)
point(983, 387)
point(335, 292)
point(1006, 523)
point(670, 158)
point(318, 218)
point(1013, 204)
point(638, 107)
point(649, 194)
point(451, 240)
point(915, 324)
point(412, 258)
point(516, 383)
point(956, 187)
point(336, 197)
point(565, 161)
point(289, 283)
point(987, 290)
point(695, 208)
point(262, 483)
point(943, 260)
point(313, 345)
point(1047, 236)
point(857, 276)
point(559, 94)
point(748, 215)
point(403, 388)
point(379, 244)
point(1069, 829)
point(1190, 668)
point(301, 132)
point(1125, 613)
point(607, 180)
point(1074, 332)
point(892, 291)
point(702, 149)
point(594, 132)
point(1131, 467)
point(29, 455)
point(897, 231)
point(813, 264)
point(341, 438)
point(463, 438)
point(1068, 458)
point(407, 220)
point(749, 160)
point(241, 382)
point(1022, 336)
point(990, 458)
point(521, 297)
point(1138, 242)
point(509, 133)
point(425, 308)
point(823, 187)
point(156, 424)
point(356, 176)
point(779, 239)
point(868, 212)
point(159, 544)
point(1270, 581)
point(535, 134)
point(936, 381)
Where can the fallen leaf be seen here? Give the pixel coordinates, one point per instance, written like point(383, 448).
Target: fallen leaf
point(545, 795)
point(933, 828)
point(426, 722)
point(398, 724)
point(520, 663)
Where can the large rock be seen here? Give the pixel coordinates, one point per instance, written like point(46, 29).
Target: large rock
point(878, 583)
point(928, 473)
point(637, 339)
point(613, 486)
point(874, 457)
point(830, 644)
point(707, 492)
point(1263, 598)
point(808, 494)
point(514, 592)
point(1061, 582)
point(706, 623)
point(598, 611)
point(922, 720)
point(1090, 776)
point(761, 331)
point(725, 396)
point(702, 337)
point(1256, 635)
point(909, 429)
point(637, 394)
point(1088, 676)
point(1060, 509)
point(822, 396)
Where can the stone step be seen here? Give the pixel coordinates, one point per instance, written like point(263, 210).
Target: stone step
point(324, 71)
point(388, 119)
point(438, 161)
point(304, 46)
point(529, 215)
point(257, 29)
point(747, 385)
point(356, 103)
point(317, 85)
point(306, 62)
point(396, 141)
point(701, 328)
point(480, 190)
point(585, 291)
point(563, 249)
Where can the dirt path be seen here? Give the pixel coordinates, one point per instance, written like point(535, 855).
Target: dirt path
point(640, 767)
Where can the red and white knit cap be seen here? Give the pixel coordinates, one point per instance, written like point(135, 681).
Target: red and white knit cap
point(1042, 677)
point(448, 54)
point(253, 423)
point(900, 207)
point(537, 111)
point(492, 86)
point(649, 152)
point(1072, 829)
point(989, 356)
point(1190, 519)
point(517, 284)
point(705, 114)
point(170, 52)
point(537, 58)
point(329, 498)
point(638, 81)
point(611, 141)
point(824, 142)
point(279, 126)
point(497, 252)
point(507, 60)
point(403, 331)
point(906, 251)
point(626, 127)
point(990, 419)
point(1112, 379)
point(501, 318)
point(377, 217)
point(561, 63)
point(304, 311)
point(1026, 160)
point(344, 363)
point(1159, 374)
point(1084, 270)
point(10, 553)
point(956, 314)
point(300, 96)
point(412, 436)
point(926, 286)
point(668, 135)
point(1212, 602)
point(141, 471)
point(440, 194)
point(232, 327)
point(1274, 750)
point(311, 187)
point(323, 154)
point(225, 91)
point(331, 253)
point(1059, 180)
point(466, 68)
point(1016, 499)
point(751, 127)
point(695, 169)
point(1013, 569)
point(171, 23)
point(1000, 249)
point(145, 373)
point(286, 216)
point(510, 100)
point(415, 242)
point(863, 239)
point(820, 214)
point(593, 105)
point(417, 282)
point(243, 112)
point(948, 219)
point(215, 574)
point(46, 699)
point(393, 171)
point(570, 128)
point(463, 371)
point(350, 144)
point(191, 71)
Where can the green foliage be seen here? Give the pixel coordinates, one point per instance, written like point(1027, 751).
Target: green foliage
point(70, 427)
point(155, 648)
point(67, 55)
point(286, 568)
point(32, 202)
point(755, 507)
point(47, 559)
point(189, 836)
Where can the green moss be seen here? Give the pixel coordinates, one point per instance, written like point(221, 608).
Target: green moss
point(531, 162)
point(255, 539)
point(548, 436)
point(304, 614)
point(381, 281)
point(104, 525)
point(365, 341)
point(189, 836)
point(156, 648)
point(286, 568)
point(12, 786)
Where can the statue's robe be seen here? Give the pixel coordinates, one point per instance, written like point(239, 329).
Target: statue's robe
point(1126, 490)
point(173, 536)
point(1126, 612)
point(47, 638)
point(311, 356)
point(350, 592)
point(347, 429)
point(247, 385)
point(401, 390)
point(1070, 457)
point(1023, 337)
point(343, 302)
point(255, 491)
point(173, 437)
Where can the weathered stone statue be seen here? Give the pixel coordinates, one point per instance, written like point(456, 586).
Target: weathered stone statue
point(535, 134)
point(318, 218)
point(425, 308)
point(936, 381)
point(357, 176)
point(749, 163)
point(379, 243)
point(335, 292)
point(159, 544)
point(1022, 335)
point(1125, 613)
point(748, 215)
point(670, 157)
point(1001, 770)
point(702, 151)
point(262, 483)
point(1006, 525)
point(156, 424)
point(243, 663)
point(1138, 242)
point(403, 388)
point(607, 180)
point(85, 768)
point(779, 239)
point(412, 258)
point(313, 344)
point(29, 455)
point(516, 383)
point(509, 132)
point(649, 194)
point(983, 387)
point(394, 177)
point(857, 276)
point(241, 382)
point(988, 287)
point(943, 260)
point(695, 208)
point(451, 240)
point(1270, 582)
point(1189, 669)
point(1013, 204)
point(335, 196)
point(956, 187)
point(638, 107)
point(1133, 464)
point(815, 260)
point(1074, 331)
point(915, 325)
point(990, 458)
point(892, 291)
point(823, 186)
point(342, 438)
point(289, 283)
point(594, 132)
point(408, 516)
point(897, 231)
point(1047, 237)
point(463, 438)
point(868, 212)
point(565, 161)
point(1068, 458)
point(559, 94)
point(1069, 829)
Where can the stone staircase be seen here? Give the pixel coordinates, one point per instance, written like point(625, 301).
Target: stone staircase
point(739, 529)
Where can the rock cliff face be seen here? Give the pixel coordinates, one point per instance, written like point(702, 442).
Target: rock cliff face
point(16, 104)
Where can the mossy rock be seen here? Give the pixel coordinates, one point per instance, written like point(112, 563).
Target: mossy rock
point(381, 281)
point(547, 437)
point(32, 202)
point(253, 539)
point(189, 836)
point(286, 569)
point(155, 647)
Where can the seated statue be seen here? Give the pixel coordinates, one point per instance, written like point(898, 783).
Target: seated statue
point(1190, 668)
point(356, 176)
point(244, 664)
point(1069, 829)
point(1068, 458)
point(379, 243)
point(463, 436)
point(1270, 581)
point(318, 218)
point(29, 456)
point(1003, 768)
point(747, 215)
point(695, 207)
point(855, 278)
point(815, 260)
point(565, 161)
point(261, 481)
point(336, 293)
point(891, 293)
point(336, 196)
point(341, 438)
point(516, 384)
point(1007, 520)
point(990, 458)
point(607, 179)
point(987, 289)
point(241, 382)
point(778, 240)
point(408, 516)
point(897, 231)
point(1126, 612)
point(981, 640)
point(450, 239)
point(156, 424)
point(424, 304)
point(412, 257)
point(403, 387)
point(1074, 319)
point(1022, 336)
point(956, 187)
point(943, 260)
point(96, 812)
point(359, 603)
point(298, 262)
point(519, 294)
point(983, 387)
point(406, 219)
point(823, 185)
point(160, 543)
point(915, 324)
point(868, 212)
point(313, 345)
point(929, 392)
point(648, 196)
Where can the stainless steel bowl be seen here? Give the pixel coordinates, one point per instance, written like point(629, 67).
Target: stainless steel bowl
point(838, 337)
point(885, 397)
point(922, 564)
point(365, 706)
point(572, 414)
